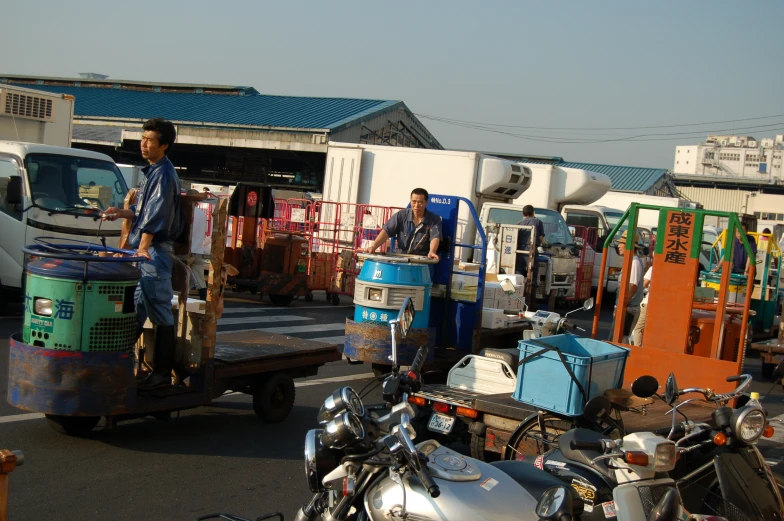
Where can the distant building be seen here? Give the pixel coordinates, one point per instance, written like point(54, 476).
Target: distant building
point(732, 157)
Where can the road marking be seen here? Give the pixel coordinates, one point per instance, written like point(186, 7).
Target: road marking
point(257, 320)
point(293, 308)
point(320, 381)
point(304, 383)
point(331, 339)
point(290, 330)
point(20, 417)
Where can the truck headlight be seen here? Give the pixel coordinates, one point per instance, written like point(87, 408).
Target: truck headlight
point(748, 424)
point(43, 307)
point(375, 294)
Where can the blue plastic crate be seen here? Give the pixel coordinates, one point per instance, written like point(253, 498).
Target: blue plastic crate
point(544, 382)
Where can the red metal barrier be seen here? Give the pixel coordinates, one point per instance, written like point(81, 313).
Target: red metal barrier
point(586, 239)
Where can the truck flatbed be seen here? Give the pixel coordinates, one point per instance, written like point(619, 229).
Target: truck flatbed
point(252, 352)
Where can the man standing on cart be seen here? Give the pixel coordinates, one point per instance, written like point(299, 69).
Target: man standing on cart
point(416, 231)
point(157, 222)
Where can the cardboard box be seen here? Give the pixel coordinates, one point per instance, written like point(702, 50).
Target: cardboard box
point(467, 266)
point(493, 318)
point(492, 291)
point(464, 281)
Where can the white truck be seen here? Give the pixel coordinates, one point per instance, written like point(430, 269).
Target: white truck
point(605, 213)
point(48, 189)
point(498, 188)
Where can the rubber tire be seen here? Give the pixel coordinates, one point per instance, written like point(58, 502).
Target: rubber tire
point(253, 289)
point(532, 426)
point(309, 297)
point(478, 450)
point(281, 300)
point(379, 369)
point(335, 299)
point(77, 426)
point(273, 397)
point(767, 370)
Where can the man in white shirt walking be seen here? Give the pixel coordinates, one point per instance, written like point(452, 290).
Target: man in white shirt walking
point(639, 326)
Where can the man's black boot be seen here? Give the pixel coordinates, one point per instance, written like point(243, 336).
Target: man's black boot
point(163, 360)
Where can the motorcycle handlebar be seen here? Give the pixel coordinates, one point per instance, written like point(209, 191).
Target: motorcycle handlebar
point(735, 378)
point(419, 361)
point(427, 481)
point(665, 431)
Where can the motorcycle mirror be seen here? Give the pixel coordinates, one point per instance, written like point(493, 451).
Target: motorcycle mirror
point(596, 408)
point(671, 390)
point(588, 304)
point(554, 503)
point(645, 386)
point(405, 318)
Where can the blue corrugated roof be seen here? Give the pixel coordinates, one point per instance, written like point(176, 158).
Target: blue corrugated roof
point(254, 109)
point(623, 178)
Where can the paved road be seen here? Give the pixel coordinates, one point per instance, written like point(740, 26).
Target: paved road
point(218, 458)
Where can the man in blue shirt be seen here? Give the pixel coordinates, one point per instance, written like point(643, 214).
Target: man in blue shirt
point(521, 259)
point(416, 231)
point(156, 223)
point(740, 260)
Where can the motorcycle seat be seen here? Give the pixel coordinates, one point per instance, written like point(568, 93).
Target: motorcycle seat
point(511, 356)
point(536, 481)
point(582, 456)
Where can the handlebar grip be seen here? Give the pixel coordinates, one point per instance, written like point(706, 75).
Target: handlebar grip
point(419, 360)
point(586, 445)
point(736, 378)
point(427, 481)
point(665, 431)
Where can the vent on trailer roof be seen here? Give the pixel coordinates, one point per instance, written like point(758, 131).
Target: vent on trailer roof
point(27, 106)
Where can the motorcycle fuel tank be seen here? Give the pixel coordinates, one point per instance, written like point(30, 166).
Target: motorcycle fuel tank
point(472, 491)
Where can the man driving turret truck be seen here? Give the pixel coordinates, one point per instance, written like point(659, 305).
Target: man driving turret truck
point(157, 222)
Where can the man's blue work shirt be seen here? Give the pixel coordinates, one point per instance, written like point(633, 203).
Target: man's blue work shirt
point(739, 256)
point(157, 204)
point(410, 238)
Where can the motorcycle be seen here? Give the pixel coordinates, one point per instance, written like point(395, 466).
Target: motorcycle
point(740, 488)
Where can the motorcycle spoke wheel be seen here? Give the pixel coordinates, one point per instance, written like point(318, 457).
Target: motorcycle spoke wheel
point(532, 439)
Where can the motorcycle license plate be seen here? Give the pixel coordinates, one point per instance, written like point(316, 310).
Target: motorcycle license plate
point(441, 423)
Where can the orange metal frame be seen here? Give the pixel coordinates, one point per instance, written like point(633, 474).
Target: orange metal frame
point(671, 301)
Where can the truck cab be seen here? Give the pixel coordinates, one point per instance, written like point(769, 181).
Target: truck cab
point(557, 261)
point(56, 192)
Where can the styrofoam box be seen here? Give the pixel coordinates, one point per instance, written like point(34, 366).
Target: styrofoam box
point(492, 291)
point(517, 280)
point(493, 318)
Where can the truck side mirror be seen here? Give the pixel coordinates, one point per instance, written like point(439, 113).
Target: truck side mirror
point(14, 193)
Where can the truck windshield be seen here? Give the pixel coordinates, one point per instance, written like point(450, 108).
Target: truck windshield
point(555, 229)
point(59, 182)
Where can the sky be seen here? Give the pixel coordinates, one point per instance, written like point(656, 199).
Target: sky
point(519, 68)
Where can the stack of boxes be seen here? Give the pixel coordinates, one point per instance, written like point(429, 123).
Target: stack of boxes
point(495, 299)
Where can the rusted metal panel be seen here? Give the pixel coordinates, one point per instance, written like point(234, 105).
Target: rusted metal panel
point(371, 342)
point(70, 383)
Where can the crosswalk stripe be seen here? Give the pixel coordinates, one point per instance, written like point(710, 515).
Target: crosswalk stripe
point(293, 330)
point(260, 320)
point(331, 339)
point(266, 308)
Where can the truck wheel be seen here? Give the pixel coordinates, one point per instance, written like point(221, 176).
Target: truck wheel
point(281, 300)
point(79, 426)
point(273, 397)
point(335, 299)
point(478, 449)
point(309, 297)
point(767, 370)
point(379, 369)
point(253, 289)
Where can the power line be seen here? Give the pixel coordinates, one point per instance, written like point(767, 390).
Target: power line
point(636, 138)
point(438, 118)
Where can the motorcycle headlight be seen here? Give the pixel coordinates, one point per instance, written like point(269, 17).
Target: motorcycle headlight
point(664, 457)
point(375, 294)
point(345, 399)
point(319, 460)
point(344, 430)
point(748, 424)
point(43, 307)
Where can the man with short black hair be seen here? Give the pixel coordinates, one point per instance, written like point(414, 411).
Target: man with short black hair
point(156, 220)
point(523, 239)
point(416, 230)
